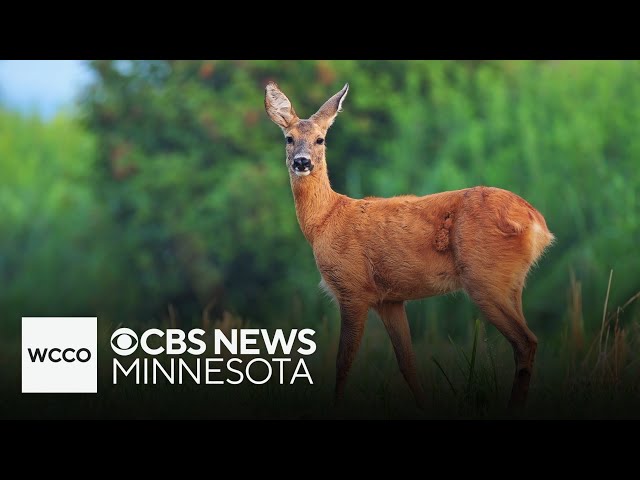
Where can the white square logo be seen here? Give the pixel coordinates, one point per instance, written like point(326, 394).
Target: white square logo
point(59, 355)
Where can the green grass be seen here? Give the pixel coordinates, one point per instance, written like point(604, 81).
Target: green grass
point(577, 375)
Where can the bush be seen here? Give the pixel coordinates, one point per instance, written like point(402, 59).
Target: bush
point(56, 254)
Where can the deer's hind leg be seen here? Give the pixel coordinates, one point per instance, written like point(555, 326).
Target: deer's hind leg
point(501, 312)
point(494, 281)
point(497, 290)
point(494, 249)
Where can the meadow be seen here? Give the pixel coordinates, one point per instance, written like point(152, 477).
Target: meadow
point(163, 200)
point(578, 375)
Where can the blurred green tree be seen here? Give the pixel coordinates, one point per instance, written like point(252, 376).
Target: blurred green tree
point(57, 257)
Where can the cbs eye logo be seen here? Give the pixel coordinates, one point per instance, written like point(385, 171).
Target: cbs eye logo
point(124, 341)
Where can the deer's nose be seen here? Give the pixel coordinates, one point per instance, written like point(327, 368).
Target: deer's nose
point(301, 164)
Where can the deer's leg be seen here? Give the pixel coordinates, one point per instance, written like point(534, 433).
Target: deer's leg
point(352, 327)
point(394, 317)
point(503, 309)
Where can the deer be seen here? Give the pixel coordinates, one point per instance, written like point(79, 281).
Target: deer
point(379, 253)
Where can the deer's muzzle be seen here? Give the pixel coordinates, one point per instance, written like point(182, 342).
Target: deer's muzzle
point(302, 166)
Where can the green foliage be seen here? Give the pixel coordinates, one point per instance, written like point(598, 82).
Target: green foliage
point(206, 216)
point(192, 168)
point(55, 255)
point(184, 198)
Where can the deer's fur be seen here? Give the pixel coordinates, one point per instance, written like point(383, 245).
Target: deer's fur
point(380, 252)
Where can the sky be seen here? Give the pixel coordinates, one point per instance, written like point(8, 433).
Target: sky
point(42, 87)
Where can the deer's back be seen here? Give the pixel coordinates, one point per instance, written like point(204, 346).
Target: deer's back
point(409, 247)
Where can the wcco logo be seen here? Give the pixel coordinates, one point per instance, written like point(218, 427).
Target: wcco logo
point(59, 355)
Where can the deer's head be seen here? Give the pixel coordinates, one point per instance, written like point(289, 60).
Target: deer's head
point(305, 139)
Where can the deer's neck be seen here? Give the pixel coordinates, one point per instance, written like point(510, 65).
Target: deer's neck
point(315, 202)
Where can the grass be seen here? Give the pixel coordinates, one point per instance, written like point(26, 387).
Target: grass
point(578, 375)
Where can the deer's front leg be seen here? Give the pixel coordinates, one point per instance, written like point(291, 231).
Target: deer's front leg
point(394, 317)
point(353, 319)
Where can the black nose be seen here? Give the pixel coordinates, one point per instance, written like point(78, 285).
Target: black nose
point(301, 164)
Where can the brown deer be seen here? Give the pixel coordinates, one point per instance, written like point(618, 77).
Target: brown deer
point(380, 252)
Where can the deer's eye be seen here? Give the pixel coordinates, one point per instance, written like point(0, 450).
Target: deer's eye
point(320, 141)
point(289, 140)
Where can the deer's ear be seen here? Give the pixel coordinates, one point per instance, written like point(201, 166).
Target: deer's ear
point(328, 112)
point(278, 106)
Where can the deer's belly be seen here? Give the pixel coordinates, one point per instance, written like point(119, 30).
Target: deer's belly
point(416, 286)
point(398, 277)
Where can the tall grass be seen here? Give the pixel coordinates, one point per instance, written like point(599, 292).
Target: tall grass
point(463, 378)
